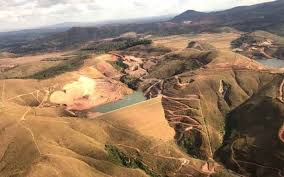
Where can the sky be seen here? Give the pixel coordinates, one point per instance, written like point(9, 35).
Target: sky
point(23, 14)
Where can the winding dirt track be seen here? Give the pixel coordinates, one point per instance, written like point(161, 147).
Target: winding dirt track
point(281, 133)
point(178, 110)
point(184, 163)
point(178, 107)
point(281, 130)
point(280, 97)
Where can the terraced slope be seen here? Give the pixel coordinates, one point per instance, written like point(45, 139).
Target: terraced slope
point(36, 142)
point(42, 138)
point(199, 104)
point(217, 114)
point(253, 141)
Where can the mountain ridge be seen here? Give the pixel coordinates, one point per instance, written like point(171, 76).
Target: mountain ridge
point(264, 16)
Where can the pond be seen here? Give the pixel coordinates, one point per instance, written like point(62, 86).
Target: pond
point(128, 100)
point(275, 63)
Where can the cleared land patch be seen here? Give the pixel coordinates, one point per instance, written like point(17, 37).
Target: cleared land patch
point(178, 42)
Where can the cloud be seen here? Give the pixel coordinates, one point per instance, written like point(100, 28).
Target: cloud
point(31, 13)
point(139, 4)
point(50, 3)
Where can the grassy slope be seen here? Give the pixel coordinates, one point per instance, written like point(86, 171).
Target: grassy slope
point(132, 141)
point(41, 69)
point(252, 133)
point(43, 145)
point(244, 79)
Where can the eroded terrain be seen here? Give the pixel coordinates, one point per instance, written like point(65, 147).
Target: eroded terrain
point(210, 112)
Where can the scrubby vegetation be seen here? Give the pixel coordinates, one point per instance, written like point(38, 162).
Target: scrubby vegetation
point(132, 82)
point(145, 51)
point(177, 63)
point(260, 45)
point(56, 59)
point(66, 66)
point(191, 144)
point(116, 44)
point(121, 158)
point(243, 39)
point(119, 65)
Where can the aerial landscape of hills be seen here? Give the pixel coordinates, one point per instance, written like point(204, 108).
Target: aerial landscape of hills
point(197, 94)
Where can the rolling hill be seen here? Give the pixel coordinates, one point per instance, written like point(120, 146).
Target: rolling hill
point(266, 16)
point(209, 112)
point(39, 138)
point(259, 45)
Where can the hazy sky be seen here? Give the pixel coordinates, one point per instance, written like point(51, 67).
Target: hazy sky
point(19, 14)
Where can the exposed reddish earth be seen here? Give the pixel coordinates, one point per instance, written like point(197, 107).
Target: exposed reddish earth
point(135, 65)
point(107, 69)
point(88, 92)
point(189, 109)
point(281, 133)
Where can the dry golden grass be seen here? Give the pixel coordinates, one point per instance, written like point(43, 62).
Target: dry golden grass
point(32, 58)
point(104, 91)
point(144, 117)
point(36, 142)
point(179, 42)
point(27, 66)
point(49, 146)
point(38, 139)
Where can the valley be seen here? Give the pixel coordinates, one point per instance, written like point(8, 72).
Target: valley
point(184, 117)
point(199, 95)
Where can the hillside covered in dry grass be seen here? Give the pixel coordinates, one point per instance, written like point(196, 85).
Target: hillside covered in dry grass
point(210, 112)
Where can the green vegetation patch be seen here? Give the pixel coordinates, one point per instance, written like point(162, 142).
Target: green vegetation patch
point(132, 43)
point(243, 39)
point(119, 157)
point(116, 44)
point(192, 143)
point(146, 51)
point(118, 65)
point(255, 37)
point(132, 82)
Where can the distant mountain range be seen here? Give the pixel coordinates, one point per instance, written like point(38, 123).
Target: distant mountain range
point(23, 40)
point(67, 25)
point(266, 16)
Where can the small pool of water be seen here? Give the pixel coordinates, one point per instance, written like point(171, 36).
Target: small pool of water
point(275, 63)
point(128, 100)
